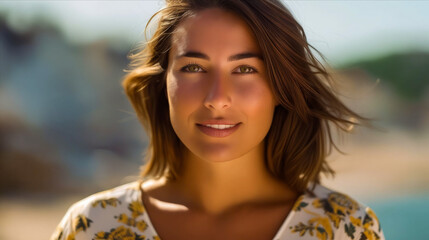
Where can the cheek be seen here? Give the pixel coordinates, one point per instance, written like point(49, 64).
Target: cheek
point(258, 104)
point(256, 98)
point(183, 96)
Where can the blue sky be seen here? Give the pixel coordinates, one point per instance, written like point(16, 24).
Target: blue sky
point(353, 29)
point(341, 30)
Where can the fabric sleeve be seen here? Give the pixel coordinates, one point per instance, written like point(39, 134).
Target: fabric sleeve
point(364, 225)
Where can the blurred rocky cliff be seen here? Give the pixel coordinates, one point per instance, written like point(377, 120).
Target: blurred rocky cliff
point(400, 85)
point(65, 122)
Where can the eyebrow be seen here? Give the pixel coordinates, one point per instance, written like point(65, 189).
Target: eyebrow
point(194, 54)
point(244, 55)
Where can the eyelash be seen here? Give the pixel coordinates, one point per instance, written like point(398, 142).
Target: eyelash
point(252, 70)
point(186, 69)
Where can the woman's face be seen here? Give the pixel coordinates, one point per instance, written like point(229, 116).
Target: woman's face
point(220, 104)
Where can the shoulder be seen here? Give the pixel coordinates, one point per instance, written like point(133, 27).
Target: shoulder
point(115, 211)
point(107, 201)
point(328, 214)
point(109, 198)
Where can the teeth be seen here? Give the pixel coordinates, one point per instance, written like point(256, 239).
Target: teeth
point(219, 126)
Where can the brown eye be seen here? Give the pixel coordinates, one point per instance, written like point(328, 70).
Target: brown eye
point(244, 69)
point(193, 68)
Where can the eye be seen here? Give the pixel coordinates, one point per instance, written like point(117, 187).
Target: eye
point(192, 68)
point(244, 69)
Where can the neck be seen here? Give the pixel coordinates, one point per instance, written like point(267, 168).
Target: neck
point(218, 187)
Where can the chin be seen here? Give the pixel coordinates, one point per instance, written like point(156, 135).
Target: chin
point(218, 158)
point(219, 154)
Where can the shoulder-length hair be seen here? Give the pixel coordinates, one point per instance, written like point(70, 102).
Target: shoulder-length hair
point(300, 137)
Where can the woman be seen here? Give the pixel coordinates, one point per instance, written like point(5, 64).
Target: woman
point(237, 110)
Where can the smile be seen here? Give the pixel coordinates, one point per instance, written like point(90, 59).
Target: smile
point(220, 126)
point(218, 130)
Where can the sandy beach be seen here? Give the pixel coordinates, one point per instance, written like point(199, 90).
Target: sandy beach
point(386, 165)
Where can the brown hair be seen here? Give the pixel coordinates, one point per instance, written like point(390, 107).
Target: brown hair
point(300, 137)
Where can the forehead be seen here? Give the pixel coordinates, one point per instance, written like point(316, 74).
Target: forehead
point(211, 30)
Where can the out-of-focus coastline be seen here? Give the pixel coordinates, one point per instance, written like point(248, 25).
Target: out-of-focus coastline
point(386, 165)
point(67, 129)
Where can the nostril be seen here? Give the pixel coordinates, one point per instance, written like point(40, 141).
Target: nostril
point(224, 104)
point(218, 94)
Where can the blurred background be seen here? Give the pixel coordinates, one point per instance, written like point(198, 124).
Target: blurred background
point(67, 129)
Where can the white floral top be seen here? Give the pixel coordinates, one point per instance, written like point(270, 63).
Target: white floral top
point(119, 214)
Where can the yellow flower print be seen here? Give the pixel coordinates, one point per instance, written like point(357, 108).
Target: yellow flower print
point(335, 212)
point(318, 203)
point(104, 202)
point(299, 204)
point(58, 233)
point(374, 217)
point(323, 227)
point(319, 224)
point(350, 228)
point(71, 236)
point(81, 223)
point(368, 223)
point(136, 208)
point(342, 203)
point(302, 229)
point(123, 218)
point(356, 221)
point(120, 233)
point(370, 235)
point(141, 225)
point(337, 206)
point(156, 238)
point(335, 218)
point(322, 235)
point(101, 236)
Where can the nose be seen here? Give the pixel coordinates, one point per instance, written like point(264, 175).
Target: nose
point(218, 95)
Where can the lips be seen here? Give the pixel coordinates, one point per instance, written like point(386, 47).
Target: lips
point(220, 126)
point(218, 129)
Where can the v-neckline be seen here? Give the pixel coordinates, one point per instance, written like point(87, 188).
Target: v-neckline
point(280, 232)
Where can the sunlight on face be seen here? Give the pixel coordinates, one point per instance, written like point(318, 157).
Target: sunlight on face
point(221, 106)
